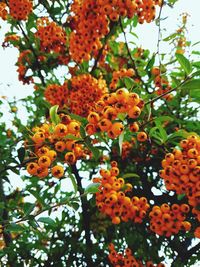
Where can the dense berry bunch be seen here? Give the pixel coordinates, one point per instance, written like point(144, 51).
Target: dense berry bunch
point(52, 36)
point(105, 115)
point(127, 259)
point(20, 9)
point(117, 75)
point(23, 63)
point(181, 170)
point(161, 83)
point(88, 26)
point(57, 94)
point(85, 91)
point(112, 200)
point(90, 22)
point(3, 11)
point(167, 221)
point(80, 99)
point(51, 144)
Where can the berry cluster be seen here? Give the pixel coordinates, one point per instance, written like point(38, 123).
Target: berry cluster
point(52, 36)
point(84, 92)
point(104, 116)
point(127, 259)
point(3, 11)
point(112, 200)
point(51, 143)
point(167, 221)
point(89, 26)
point(11, 39)
point(161, 83)
point(197, 232)
point(90, 22)
point(57, 94)
point(20, 9)
point(181, 170)
point(117, 75)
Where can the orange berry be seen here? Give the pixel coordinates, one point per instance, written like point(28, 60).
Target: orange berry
point(44, 162)
point(32, 168)
point(70, 158)
point(116, 220)
point(142, 137)
point(61, 130)
point(57, 171)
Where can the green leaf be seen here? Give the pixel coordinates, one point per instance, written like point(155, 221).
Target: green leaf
point(92, 188)
point(181, 196)
point(171, 36)
point(47, 220)
point(82, 132)
point(95, 151)
point(196, 73)
point(13, 227)
point(134, 34)
point(180, 133)
point(53, 114)
point(74, 205)
point(72, 137)
point(71, 176)
point(163, 133)
point(162, 119)
point(21, 154)
point(121, 139)
point(135, 21)
point(184, 62)
point(131, 175)
point(122, 116)
point(28, 208)
point(192, 84)
point(195, 94)
point(128, 82)
point(150, 63)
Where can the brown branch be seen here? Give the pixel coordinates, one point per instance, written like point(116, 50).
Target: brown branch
point(86, 218)
point(168, 92)
point(4, 215)
point(102, 48)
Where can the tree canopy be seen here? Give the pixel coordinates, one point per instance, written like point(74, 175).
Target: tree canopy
point(109, 154)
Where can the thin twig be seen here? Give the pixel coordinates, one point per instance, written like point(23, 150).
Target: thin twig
point(167, 92)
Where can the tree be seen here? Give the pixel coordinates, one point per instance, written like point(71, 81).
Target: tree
point(110, 154)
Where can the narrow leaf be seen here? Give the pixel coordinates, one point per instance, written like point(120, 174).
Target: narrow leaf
point(92, 188)
point(121, 139)
point(53, 114)
point(47, 220)
point(184, 62)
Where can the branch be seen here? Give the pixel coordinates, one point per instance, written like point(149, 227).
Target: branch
point(85, 216)
point(102, 48)
point(4, 215)
point(33, 51)
point(168, 92)
point(159, 33)
point(132, 59)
